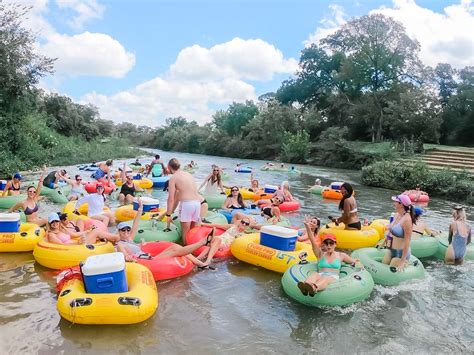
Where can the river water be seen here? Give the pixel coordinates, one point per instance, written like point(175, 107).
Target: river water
point(242, 309)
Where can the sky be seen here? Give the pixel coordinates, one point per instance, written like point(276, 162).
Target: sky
point(143, 61)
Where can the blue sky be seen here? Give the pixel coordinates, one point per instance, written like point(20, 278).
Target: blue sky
point(123, 55)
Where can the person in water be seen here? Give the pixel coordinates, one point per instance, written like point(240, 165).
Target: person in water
point(213, 182)
point(420, 228)
point(77, 190)
point(157, 168)
point(314, 224)
point(128, 189)
point(254, 185)
point(329, 264)
point(103, 170)
point(96, 203)
point(182, 190)
point(136, 163)
point(12, 187)
point(52, 179)
point(234, 200)
point(70, 226)
point(30, 206)
point(417, 192)
point(459, 237)
point(348, 206)
point(127, 231)
point(56, 234)
point(317, 183)
point(285, 190)
point(267, 213)
point(399, 233)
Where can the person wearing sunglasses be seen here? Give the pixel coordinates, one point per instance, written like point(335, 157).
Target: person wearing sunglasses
point(128, 189)
point(329, 264)
point(12, 187)
point(56, 234)
point(213, 182)
point(314, 224)
point(399, 233)
point(232, 231)
point(77, 188)
point(96, 204)
point(30, 205)
point(234, 200)
point(459, 237)
point(270, 213)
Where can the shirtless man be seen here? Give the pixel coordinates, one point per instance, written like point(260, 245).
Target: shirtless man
point(182, 189)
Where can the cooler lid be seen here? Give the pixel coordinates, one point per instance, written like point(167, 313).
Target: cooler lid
point(9, 217)
point(103, 264)
point(148, 201)
point(271, 187)
point(279, 231)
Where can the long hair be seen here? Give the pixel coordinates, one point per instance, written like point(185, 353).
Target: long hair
point(411, 210)
point(217, 179)
point(350, 191)
point(240, 200)
point(459, 214)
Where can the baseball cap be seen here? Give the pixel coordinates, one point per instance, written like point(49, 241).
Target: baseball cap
point(418, 211)
point(53, 216)
point(403, 199)
point(330, 237)
point(122, 225)
point(17, 176)
point(62, 216)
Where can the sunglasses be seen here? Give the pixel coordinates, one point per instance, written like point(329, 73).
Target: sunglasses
point(79, 179)
point(126, 229)
point(245, 223)
point(31, 192)
point(329, 242)
point(234, 190)
point(216, 170)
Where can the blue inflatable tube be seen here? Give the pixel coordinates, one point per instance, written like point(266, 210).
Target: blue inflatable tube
point(230, 214)
point(159, 182)
point(244, 170)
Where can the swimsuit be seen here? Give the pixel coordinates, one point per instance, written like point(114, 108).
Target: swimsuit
point(13, 188)
point(355, 225)
point(459, 243)
point(50, 179)
point(189, 211)
point(98, 174)
point(267, 211)
point(76, 228)
point(398, 232)
point(335, 265)
point(156, 170)
point(29, 211)
point(64, 238)
point(128, 190)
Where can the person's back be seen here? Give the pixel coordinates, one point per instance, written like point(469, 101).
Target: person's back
point(186, 188)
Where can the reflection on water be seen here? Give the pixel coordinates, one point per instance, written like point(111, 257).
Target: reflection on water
point(241, 308)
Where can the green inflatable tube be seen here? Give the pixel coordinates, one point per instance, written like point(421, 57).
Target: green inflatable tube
point(215, 201)
point(424, 247)
point(211, 217)
point(383, 274)
point(317, 190)
point(10, 201)
point(443, 246)
point(152, 231)
point(353, 286)
point(58, 195)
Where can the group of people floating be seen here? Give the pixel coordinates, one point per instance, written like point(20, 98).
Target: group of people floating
point(183, 194)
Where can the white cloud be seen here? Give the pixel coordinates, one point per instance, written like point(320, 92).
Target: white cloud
point(444, 37)
point(88, 54)
point(85, 10)
point(252, 59)
point(199, 79)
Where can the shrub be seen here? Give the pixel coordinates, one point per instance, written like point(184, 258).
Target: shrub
point(295, 147)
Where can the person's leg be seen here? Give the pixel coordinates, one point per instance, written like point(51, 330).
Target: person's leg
point(121, 198)
point(80, 224)
point(324, 281)
point(178, 250)
point(215, 244)
point(185, 227)
point(449, 256)
point(387, 257)
point(101, 217)
point(129, 199)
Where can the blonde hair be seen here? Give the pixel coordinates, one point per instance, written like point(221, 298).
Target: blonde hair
point(459, 214)
point(285, 184)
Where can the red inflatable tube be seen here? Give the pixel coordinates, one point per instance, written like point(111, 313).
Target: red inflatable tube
point(421, 198)
point(287, 206)
point(164, 268)
point(199, 233)
point(88, 223)
point(91, 187)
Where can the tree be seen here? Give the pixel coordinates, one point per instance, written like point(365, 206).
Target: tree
point(378, 55)
point(235, 117)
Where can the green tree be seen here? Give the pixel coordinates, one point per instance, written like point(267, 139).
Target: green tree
point(295, 147)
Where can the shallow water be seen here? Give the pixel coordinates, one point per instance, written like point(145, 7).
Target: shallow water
point(240, 308)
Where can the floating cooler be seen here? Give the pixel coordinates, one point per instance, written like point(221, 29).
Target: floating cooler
point(3, 183)
point(336, 185)
point(148, 204)
point(105, 273)
point(9, 222)
point(277, 237)
point(269, 189)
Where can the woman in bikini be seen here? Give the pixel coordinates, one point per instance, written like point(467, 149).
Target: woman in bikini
point(348, 206)
point(30, 205)
point(13, 186)
point(234, 200)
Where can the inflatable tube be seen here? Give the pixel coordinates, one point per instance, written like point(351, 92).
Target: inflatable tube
point(353, 286)
point(135, 167)
point(152, 231)
point(24, 240)
point(247, 170)
point(317, 190)
point(91, 187)
point(143, 183)
point(443, 246)
point(215, 200)
point(127, 213)
point(263, 196)
point(351, 239)
point(159, 182)
point(384, 274)
point(197, 234)
point(58, 195)
point(246, 194)
point(190, 170)
point(60, 256)
point(380, 225)
point(248, 249)
point(332, 194)
point(88, 222)
point(134, 306)
point(280, 169)
point(420, 199)
point(164, 268)
point(289, 206)
point(247, 211)
point(424, 246)
point(10, 201)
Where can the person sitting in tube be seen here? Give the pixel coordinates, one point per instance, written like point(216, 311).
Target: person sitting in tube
point(348, 207)
point(329, 264)
point(13, 186)
point(234, 200)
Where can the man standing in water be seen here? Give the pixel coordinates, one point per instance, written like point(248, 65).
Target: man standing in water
point(182, 189)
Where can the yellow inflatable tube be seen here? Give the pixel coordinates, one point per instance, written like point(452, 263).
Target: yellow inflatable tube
point(127, 213)
point(246, 194)
point(134, 306)
point(144, 183)
point(83, 209)
point(24, 240)
point(60, 256)
point(351, 239)
point(249, 250)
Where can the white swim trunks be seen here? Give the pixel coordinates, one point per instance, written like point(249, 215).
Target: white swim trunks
point(189, 211)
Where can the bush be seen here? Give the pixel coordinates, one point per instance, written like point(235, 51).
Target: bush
point(453, 185)
point(295, 148)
